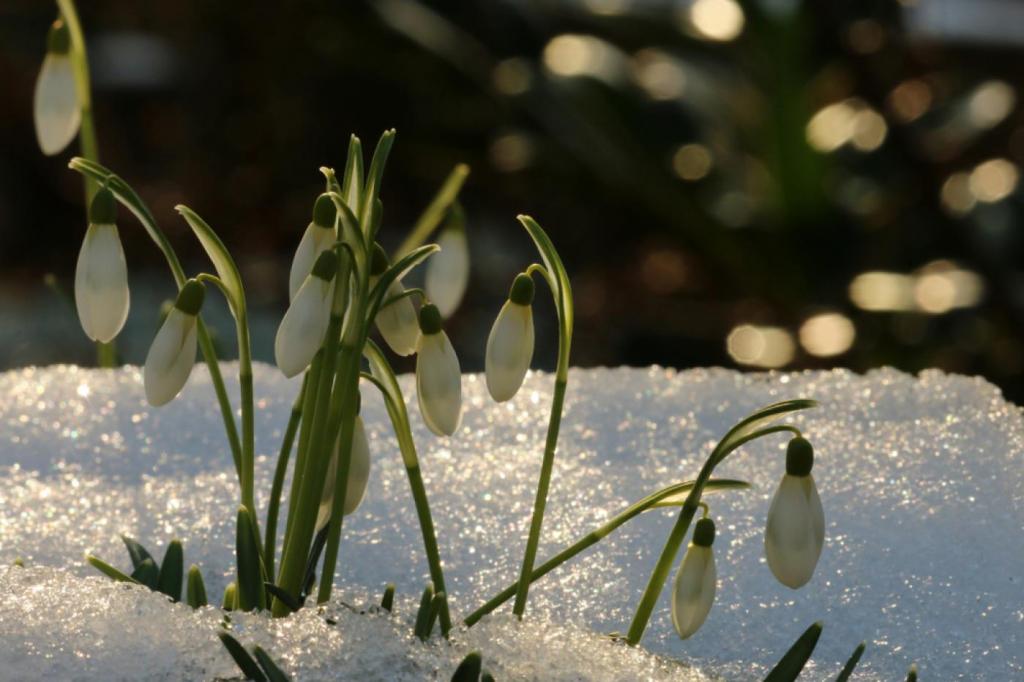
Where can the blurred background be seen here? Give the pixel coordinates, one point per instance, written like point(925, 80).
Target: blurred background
point(754, 184)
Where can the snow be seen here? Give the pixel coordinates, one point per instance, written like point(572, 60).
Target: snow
point(921, 479)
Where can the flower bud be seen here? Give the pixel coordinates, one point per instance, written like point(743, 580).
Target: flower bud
point(319, 236)
point(397, 321)
point(693, 591)
point(305, 322)
point(510, 343)
point(101, 276)
point(173, 351)
point(55, 105)
point(358, 476)
point(448, 270)
point(795, 531)
point(438, 375)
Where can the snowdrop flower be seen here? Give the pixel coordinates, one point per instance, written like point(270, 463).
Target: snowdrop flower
point(438, 375)
point(358, 476)
point(448, 270)
point(694, 589)
point(101, 276)
point(305, 322)
point(795, 530)
point(173, 352)
point(396, 321)
point(319, 236)
point(510, 344)
point(56, 109)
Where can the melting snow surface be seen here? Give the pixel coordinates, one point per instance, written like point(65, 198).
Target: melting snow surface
point(922, 481)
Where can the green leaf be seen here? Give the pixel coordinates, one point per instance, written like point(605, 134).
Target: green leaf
point(789, 667)
point(436, 210)
point(387, 602)
point(251, 594)
point(350, 232)
point(136, 551)
point(372, 190)
point(230, 600)
point(677, 498)
point(242, 658)
point(147, 574)
point(847, 670)
point(383, 377)
point(225, 266)
point(423, 614)
point(486, 676)
point(171, 570)
point(274, 673)
point(108, 570)
point(331, 178)
point(759, 419)
point(469, 669)
point(912, 673)
point(352, 182)
point(196, 591)
point(558, 281)
point(287, 599)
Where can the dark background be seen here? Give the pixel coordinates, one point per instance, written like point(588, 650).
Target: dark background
point(669, 151)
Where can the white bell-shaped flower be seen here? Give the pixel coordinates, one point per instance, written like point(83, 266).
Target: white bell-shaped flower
point(448, 270)
point(795, 531)
point(173, 351)
point(319, 236)
point(510, 344)
point(56, 108)
point(396, 321)
point(101, 276)
point(304, 324)
point(693, 591)
point(438, 375)
point(358, 476)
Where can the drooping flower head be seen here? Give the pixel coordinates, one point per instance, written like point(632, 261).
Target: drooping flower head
point(173, 351)
point(438, 375)
point(101, 276)
point(510, 343)
point(396, 321)
point(795, 531)
point(693, 591)
point(56, 109)
point(319, 236)
point(304, 324)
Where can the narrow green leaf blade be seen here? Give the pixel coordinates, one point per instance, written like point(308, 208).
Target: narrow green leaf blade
point(225, 266)
point(387, 602)
point(287, 599)
point(562, 289)
point(469, 668)
point(373, 179)
point(229, 602)
point(912, 673)
point(423, 614)
point(148, 574)
point(760, 418)
point(352, 180)
point(136, 551)
point(108, 570)
point(790, 665)
point(242, 658)
point(677, 498)
point(251, 594)
point(854, 659)
point(195, 594)
point(172, 569)
point(274, 673)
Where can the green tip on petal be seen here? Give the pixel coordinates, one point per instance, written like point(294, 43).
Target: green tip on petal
point(378, 260)
point(58, 40)
point(103, 209)
point(430, 319)
point(324, 211)
point(326, 265)
point(190, 298)
point(799, 457)
point(522, 290)
point(704, 533)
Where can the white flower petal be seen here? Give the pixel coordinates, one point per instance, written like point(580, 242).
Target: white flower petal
point(795, 531)
point(315, 240)
point(439, 383)
point(101, 283)
point(56, 110)
point(509, 350)
point(693, 591)
point(303, 326)
point(358, 477)
point(448, 272)
point(398, 322)
point(170, 358)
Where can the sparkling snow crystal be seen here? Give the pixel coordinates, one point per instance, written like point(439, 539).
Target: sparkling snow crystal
point(922, 481)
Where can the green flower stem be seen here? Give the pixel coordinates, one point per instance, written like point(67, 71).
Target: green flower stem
point(106, 353)
point(127, 196)
point(274, 506)
point(419, 495)
point(675, 539)
point(435, 211)
point(596, 535)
